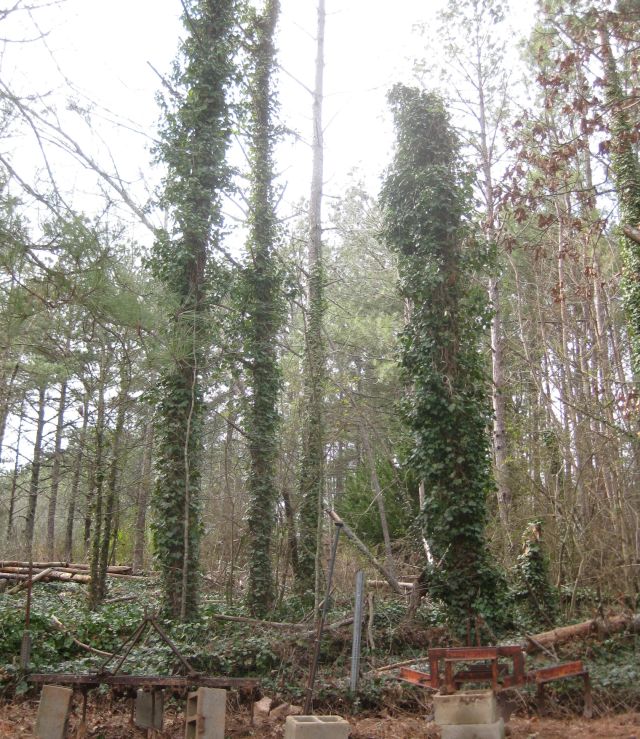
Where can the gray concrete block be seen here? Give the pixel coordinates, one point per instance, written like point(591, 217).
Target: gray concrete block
point(474, 731)
point(206, 711)
point(149, 709)
point(468, 707)
point(53, 712)
point(316, 727)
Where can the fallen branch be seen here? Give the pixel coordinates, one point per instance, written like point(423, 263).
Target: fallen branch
point(24, 583)
point(404, 663)
point(389, 577)
point(61, 627)
point(384, 584)
point(256, 622)
point(331, 627)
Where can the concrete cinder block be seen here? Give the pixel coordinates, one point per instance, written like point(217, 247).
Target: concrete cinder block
point(474, 731)
point(206, 710)
point(469, 707)
point(149, 709)
point(316, 727)
point(53, 712)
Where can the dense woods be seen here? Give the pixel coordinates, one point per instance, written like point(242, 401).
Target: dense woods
point(447, 358)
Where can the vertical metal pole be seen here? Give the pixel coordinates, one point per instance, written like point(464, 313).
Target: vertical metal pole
point(323, 615)
point(357, 632)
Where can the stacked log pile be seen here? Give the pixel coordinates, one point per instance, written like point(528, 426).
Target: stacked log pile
point(18, 571)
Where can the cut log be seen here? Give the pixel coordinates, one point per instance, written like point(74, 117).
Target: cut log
point(595, 626)
point(36, 565)
point(53, 575)
point(66, 566)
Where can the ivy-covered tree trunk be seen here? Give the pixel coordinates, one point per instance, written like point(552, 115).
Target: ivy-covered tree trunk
point(194, 142)
point(98, 475)
point(626, 172)
point(263, 310)
point(312, 473)
point(425, 199)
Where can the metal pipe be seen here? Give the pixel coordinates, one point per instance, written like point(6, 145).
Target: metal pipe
point(357, 632)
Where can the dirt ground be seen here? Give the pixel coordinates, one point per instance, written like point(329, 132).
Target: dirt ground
point(111, 720)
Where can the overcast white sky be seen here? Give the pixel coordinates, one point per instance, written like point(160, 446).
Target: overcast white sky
point(104, 50)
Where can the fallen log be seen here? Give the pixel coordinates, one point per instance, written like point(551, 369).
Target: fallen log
point(70, 574)
point(597, 626)
point(53, 575)
point(66, 566)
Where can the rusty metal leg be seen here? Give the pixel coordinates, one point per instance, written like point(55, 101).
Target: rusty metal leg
point(588, 698)
point(494, 674)
point(449, 684)
point(541, 698)
point(434, 671)
point(82, 729)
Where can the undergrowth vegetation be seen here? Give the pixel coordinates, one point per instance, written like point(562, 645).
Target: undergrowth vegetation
point(280, 658)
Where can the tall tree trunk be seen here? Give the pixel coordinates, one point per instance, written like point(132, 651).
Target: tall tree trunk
point(500, 450)
point(36, 462)
point(263, 322)
point(193, 143)
point(98, 470)
point(144, 492)
point(6, 390)
point(110, 504)
point(14, 477)
point(379, 497)
point(313, 462)
point(55, 472)
point(75, 482)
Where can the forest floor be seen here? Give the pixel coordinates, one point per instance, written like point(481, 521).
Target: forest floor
point(111, 720)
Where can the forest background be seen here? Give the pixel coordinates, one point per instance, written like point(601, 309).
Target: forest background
point(548, 121)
